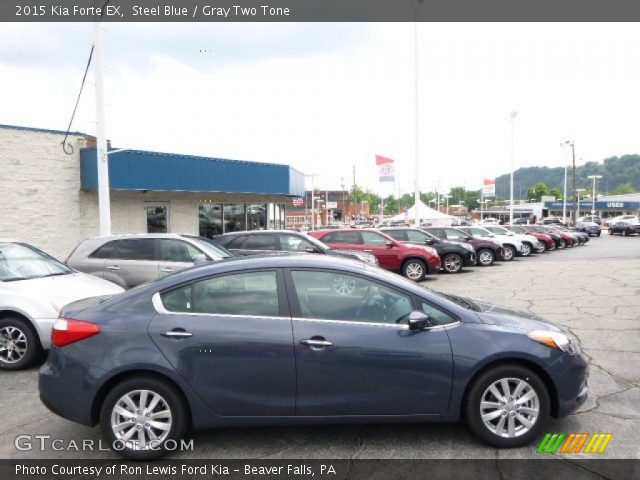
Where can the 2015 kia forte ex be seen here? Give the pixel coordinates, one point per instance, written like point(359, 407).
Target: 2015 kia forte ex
point(303, 340)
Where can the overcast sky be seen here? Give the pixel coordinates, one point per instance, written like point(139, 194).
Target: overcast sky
point(326, 97)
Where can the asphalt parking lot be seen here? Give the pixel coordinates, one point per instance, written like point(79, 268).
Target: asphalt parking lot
point(593, 290)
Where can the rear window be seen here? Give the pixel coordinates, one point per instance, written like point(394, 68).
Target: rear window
point(235, 242)
point(105, 251)
point(136, 249)
point(260, 242)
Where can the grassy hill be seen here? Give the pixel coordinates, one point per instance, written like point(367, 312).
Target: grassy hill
point(617, 172)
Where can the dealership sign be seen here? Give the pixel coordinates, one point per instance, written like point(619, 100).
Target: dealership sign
point(599, 205)
point(489, 188)
point(386, 169)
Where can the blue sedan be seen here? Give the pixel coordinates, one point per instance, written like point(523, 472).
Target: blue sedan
point(303, 339)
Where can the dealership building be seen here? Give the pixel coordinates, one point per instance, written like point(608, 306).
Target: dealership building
point(48, 198)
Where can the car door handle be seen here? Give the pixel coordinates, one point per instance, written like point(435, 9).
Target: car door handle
point(368, 251)
point(177, 333)
point(166, 269)
point(316, 343)
point(113, 267)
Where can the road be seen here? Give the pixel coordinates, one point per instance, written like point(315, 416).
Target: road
point(594, 291)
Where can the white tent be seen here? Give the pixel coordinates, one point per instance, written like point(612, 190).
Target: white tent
point(426, 214)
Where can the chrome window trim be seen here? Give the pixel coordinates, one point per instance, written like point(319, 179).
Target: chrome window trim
point(156, 300)
point(376, 324)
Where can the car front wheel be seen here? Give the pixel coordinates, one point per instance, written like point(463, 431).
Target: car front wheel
point(452, 263)
point(507, 406)
point(486, 257)
point(542, 247)
point(509, 253)
point(414, 269)
point(19, 346)
point(562, 244)
point(526, 250)
point(142, 417)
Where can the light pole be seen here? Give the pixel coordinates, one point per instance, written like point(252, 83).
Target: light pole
point(104, 201)
point(578, 191)
point(514, 115)
point(564, 195)
point(416, 167)
point(576, 209)
point(447, 197)
point(482, 202)
point(593, 192)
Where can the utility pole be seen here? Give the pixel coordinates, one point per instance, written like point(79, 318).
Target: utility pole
point(576, 199)
point(416, 168)
point(102, 157)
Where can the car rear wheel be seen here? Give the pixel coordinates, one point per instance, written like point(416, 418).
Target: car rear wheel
point(507, 406)
point(19, 346)
point(509, 253)
point(452, 263)
point(141, 416)
point(414, 269)
point(526, 250)
point(486, 257)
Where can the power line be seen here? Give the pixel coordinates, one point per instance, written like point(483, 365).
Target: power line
point(84, 78)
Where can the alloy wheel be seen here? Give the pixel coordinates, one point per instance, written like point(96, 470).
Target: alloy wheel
point(141, 419)
point(509, 407)
point(13, 344)
point(485, 257)
point(414, 271)
point(541, 247)
point(526, 250)
point(508, 253)
point(452, 263)
point(562, 244)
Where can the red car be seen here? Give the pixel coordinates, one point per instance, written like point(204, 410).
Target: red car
point(568, 239)
point(412, 261)
point(545, 239)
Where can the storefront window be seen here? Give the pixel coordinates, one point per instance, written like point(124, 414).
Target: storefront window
point(210, 220)
point(157, 218)
point(257, 216)
point(234, 217)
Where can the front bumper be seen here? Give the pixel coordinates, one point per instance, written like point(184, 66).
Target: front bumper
point(469, 259)
point(570, 374)
point(434, 264)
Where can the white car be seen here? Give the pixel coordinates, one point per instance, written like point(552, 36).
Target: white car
point(530, 243)
point(510, 244)
point(33, 289)
point(620, 218)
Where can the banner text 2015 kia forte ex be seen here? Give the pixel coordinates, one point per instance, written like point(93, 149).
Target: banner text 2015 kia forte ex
point(284, 340)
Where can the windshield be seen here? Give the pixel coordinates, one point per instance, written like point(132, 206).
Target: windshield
point(19, 261)
point(518, 230)
point(213, 249)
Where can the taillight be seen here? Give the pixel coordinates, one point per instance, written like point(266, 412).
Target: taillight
point(67, 331)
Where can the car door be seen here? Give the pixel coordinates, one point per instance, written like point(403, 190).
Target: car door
point(230, 337)
point(388, 256)
point(134, 262)
point(353, 358)
point(176, 255)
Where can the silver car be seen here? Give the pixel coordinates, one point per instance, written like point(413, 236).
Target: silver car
point(129, 260)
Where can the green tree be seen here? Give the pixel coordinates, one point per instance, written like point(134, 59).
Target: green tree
point(537, 192)
point(556, 193)
point(624, 188)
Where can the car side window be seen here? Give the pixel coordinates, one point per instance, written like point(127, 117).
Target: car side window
point(260, 242)
point(178, 251)
point(178, 300)
point(372, 238)
point(454, 234)
point(440, 233)
point(294, 243)
point(437, 315)
point(254, 293)
point(106, 250)
point(399, 235)
point(415, 236)
point(136, 249)
point(338, 296)
point(341, 237)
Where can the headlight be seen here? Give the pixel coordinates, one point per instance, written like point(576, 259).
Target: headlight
point(468, 247)
point(556, 340)
point(58, 303)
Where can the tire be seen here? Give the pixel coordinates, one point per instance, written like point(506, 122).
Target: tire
point(562, 244)
point(507, 257)
point(536, 413)
point(485, 257)
point(19, 344)
point(170, 400)
point(553, 246)
point(414, 269)
point(624, 233)
point(526, 249)
point(598, 234)
point(610, 232)
point(452, 263)
point(542, 248)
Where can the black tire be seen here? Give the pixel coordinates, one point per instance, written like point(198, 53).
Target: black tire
point(485, 257)
point(414, 265)
point(452, 263)
point(173, 398)
point(542, 248)
point(624, 233)
point(598, 234)
point(480, 386)
point(23, 336)
point(562, 244)
point(507, 257)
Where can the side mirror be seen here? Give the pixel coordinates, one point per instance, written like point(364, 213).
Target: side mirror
point(510, 234)
point(200, 259)
point(312, 250)
point(468, 238)
point(419, 320)
point(390, 244)
point(429, 241)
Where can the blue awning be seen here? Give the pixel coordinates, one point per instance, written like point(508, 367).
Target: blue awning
point(142, 170)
